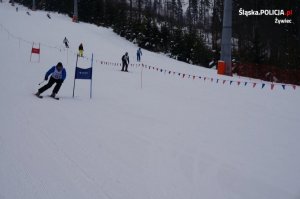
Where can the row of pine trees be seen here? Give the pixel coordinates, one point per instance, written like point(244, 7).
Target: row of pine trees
point(190, 30)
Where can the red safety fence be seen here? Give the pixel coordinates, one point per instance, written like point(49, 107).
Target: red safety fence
point(267, 73)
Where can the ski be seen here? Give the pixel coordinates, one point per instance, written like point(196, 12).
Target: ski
point(57, 98)
point(39, 96)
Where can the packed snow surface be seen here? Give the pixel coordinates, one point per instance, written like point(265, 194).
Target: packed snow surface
point(146, 134)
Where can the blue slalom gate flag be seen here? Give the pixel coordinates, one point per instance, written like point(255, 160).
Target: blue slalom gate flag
point(84, 73)
point(81, 73)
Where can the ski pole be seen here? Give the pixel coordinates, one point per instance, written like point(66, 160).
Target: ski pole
point(42, 82)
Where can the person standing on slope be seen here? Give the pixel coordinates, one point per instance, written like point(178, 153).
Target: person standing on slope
point(80, 48)
point(139, 54)
point(66, 42)
point(125, 62)
point(58, 75)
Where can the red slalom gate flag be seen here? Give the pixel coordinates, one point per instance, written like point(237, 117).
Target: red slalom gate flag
point(254, 84)
point(35, 50)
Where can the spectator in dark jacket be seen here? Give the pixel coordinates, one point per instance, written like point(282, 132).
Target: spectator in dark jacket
point(125, 62)
point(66, 42)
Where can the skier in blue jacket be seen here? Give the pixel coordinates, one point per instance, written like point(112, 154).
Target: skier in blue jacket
point(58, 75)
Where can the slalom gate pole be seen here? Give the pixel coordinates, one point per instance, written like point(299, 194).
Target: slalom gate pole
point(75, 75)
point(31, 51)
point(91, 76)
point(39, 52)
point(142, 78)
point(67, 56)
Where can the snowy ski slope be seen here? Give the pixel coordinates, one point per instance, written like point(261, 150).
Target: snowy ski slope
point(169, 138)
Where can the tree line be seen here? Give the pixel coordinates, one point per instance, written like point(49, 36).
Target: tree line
point(190, 30)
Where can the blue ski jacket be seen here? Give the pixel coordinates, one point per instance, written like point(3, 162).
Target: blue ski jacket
point(56, 74)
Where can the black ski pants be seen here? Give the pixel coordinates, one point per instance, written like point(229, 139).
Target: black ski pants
point(50, 83)
point(124, 66)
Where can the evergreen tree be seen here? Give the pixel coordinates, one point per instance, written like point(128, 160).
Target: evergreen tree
point(161, 25)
